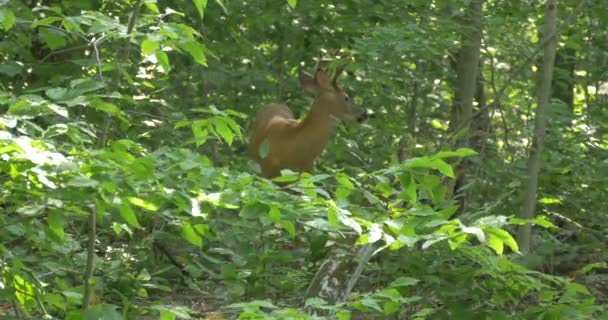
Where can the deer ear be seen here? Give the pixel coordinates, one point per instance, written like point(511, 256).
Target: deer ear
point(307, 81)
point(322, 79)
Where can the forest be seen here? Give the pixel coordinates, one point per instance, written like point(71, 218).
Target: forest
point(284, 159)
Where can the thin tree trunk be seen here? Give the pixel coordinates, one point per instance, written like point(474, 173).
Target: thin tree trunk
point(467, 70)
point(540, 123)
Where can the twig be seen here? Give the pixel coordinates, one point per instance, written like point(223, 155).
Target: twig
point(64, 51)
point(498, 105)
point(130, 26)
point(88, 273)
point(16, 309)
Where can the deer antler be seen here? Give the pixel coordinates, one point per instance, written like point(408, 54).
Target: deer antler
point(339, 70)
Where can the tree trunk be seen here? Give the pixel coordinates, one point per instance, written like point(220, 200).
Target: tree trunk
point(467, 69)
point(540, 123)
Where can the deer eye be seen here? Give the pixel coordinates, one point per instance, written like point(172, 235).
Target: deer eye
point(346, 98)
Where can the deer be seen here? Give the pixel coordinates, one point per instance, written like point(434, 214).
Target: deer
point(278, 141)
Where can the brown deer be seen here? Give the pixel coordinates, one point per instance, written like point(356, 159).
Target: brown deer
point(278, 141)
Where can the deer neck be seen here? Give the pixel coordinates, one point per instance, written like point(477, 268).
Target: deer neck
point(315, 129)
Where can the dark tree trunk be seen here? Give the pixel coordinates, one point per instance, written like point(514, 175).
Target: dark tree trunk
point(466, 66)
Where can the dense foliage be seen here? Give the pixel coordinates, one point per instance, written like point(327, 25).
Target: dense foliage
point(127, 191)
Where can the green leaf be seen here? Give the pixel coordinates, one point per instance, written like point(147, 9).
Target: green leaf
point(342, 193)
point(430, 163)
point(344, 181)
point(292, 3)
point(106, 107)
point(221, 4)
point(200, 7)
point(52, 38)
point(196, 50)
point(71, 24)
point(289, 227)
point(82, 182)
point(477, 232)
point(404, 282)
point(505, 237)
point(264, 149)
point(236, 129)
point(200, 132)
point(10, 69)
point(274, 214)
point(46, 21)
point(102, 312)
point(127, 213)
point(461, 153)
point(167, 315)
point(495, 243)
point(223, 130)
point(332, 215)
point(7, 19)
point(55, 222)
point(423, 313)
point(152, 7)
point(362, 240)
point(391, 307)
point(149, 46)
point(189, 234)
point(410, 192)
point(286, 176)
point(550, 201)
point(443, 167)
point(56, 93)
point(343, 315)
point(142, 203)
point(163, 60)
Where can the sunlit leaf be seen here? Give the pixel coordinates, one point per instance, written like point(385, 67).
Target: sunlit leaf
point(289, 227)
point(106, 107)
point(167, 315)
point(362, 240)
point(292, 3)
point(149, 46)
point(344, 181)
point(142, 203)
point(223, 130)
point(163, 60)
point(505, 237)
point(477, 232)
point(274, 214)
point(495, 243)
point(332, 216)
point(189, 234)
point(7, 19)
point(549, 200)
point(461, 152)
point(200, 7)
point(127, 213)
